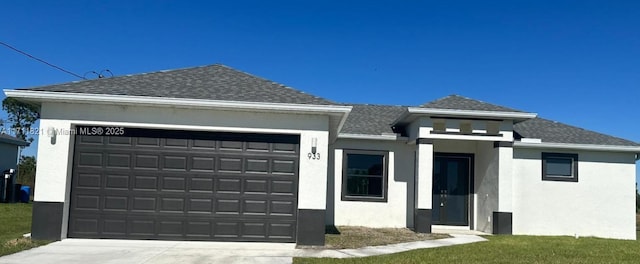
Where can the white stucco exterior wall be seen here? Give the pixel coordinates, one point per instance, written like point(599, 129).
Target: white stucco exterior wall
point(505, 179)
point(424, 177)
point(55, 160)
point(486, 186)
point(600, 204)
point(397, 211)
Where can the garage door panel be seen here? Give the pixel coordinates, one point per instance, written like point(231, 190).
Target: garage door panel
point(228, 185)
point(116, 203)
point(283, 187)
point(176, 143)
point(231, 145)
point(142, 204)
point(117, 182)
point(173, 184)
point(200, 184)
point(146, 161)
point(89, 180)
point(204, 144)
point(282, 208)
point(256, 166)
point(226, 228)
point(285, 167)
point(236, 189)
point(202, 163)
point(147, 142)
point(230, 165)
point(145, 183)
point(199, 229)
point(142, 227)
point(254, 207)
point(254, 230)
point(87, 202)
point(173, 162)
point(285, 148)
point(114, 227)
point(171, 228)
point(90, 159)
point(123, 141)
point(172, 205)
point(256, 186)
point(200, 206)
point(282, 230)
point(118, 160)
point(227, 207)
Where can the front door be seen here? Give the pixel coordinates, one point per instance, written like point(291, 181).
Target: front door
point(451, 177)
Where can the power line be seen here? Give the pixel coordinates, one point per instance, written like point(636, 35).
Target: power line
point(41, 60)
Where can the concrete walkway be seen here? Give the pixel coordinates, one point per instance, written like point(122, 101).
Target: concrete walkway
point(71, 251)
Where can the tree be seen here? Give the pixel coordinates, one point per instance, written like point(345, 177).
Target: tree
point(27, 170)
point(21, 116)
point(637, 199)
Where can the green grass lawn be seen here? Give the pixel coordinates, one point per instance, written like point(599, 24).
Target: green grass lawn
point(15, 221)
point(513, 249)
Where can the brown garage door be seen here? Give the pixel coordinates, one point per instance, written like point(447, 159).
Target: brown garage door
point(180, 185)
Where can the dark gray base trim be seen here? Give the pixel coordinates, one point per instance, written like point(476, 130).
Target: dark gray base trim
point(311, 227)
point(46, 221)
point(422, 221)
point(424, 141)
point(497, 144)
point(502, 223)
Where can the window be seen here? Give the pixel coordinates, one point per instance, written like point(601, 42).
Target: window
point(364, 175)
point(559, 167)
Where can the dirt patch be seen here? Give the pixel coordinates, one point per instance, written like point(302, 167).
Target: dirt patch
point(357, 237)
point(18, 242)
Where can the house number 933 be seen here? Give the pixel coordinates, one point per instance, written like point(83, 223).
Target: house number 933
point(313, 156)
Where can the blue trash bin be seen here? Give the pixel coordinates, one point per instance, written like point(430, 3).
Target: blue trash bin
point(25, 194)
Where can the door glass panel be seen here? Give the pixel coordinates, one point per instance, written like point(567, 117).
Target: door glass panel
point(451, 190)
point(437, 189)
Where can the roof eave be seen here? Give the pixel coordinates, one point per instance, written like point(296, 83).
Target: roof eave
point(16, 142)
point(420, 111)
point(371, 137)
point(572, 146)
point(42, 96)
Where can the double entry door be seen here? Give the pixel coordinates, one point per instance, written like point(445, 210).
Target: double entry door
point(451, 188)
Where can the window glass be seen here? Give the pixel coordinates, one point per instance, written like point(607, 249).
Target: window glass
point(559, 167)
point(364, 175)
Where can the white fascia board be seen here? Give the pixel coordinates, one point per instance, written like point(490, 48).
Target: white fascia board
point(370, 137)
point(548, 145)
point(175, 102)
point(471, 113)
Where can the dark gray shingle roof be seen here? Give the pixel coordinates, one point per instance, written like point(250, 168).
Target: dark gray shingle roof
point(458, 102)
point(214, 82)
point(556, 132)
point(371, 119)
point(377, 119)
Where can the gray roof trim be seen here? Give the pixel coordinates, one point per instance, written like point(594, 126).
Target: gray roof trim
point(569, 146)
point(371, 137)
point(460, 113)
point(40, 96)
point(4, 138)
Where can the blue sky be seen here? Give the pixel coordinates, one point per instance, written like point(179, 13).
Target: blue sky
point(577, 62)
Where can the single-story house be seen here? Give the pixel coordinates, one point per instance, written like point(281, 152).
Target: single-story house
point(9, 149)
point(213, 153)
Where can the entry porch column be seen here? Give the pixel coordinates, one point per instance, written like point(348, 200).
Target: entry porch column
point(423, 185)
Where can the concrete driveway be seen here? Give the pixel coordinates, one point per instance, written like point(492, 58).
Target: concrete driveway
point(71, 251)
point(102, 251)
